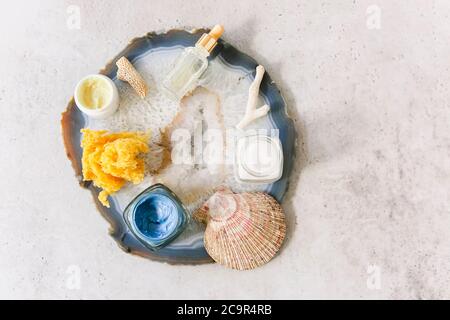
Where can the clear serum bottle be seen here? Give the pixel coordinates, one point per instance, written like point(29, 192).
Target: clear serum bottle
point(190, 65)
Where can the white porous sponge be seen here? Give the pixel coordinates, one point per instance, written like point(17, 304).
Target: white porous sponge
point(126, 72)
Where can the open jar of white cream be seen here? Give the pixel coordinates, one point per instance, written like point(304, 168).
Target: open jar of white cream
point(259, 159)
point(97, 96)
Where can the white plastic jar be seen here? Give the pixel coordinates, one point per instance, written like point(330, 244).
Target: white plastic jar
point(97, 96)
point(259, 159)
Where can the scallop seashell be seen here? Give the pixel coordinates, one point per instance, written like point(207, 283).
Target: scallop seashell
point(244, 230)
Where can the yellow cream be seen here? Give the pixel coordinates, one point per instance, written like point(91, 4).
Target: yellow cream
point(95, 93)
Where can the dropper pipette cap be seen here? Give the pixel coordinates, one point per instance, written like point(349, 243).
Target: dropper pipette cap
point(209, 40)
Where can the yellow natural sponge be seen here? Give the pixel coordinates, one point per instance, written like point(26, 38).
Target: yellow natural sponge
point(112, 159)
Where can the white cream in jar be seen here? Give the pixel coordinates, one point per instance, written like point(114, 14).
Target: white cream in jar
point(97, 96)
point(259, 159)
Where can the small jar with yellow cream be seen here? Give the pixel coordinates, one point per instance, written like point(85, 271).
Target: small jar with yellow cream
point(97, 96)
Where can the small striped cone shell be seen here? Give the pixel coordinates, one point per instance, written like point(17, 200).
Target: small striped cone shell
point(244, 230)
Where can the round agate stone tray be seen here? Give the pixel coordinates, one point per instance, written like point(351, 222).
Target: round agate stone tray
point(229, 68)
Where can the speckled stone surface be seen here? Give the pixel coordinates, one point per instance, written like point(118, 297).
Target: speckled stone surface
point(369, 205)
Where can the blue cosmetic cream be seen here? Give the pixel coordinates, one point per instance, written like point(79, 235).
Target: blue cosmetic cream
point(156, 216)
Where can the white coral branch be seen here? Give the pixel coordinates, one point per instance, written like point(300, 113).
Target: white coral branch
point(251, 112)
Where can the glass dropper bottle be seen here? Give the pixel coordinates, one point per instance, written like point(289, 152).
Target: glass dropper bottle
point(190, 65)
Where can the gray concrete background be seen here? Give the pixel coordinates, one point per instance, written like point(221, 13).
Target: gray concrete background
point(369, 204)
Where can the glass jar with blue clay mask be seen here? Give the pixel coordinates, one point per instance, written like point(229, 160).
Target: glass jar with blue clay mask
point(156, 217)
